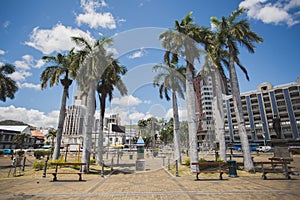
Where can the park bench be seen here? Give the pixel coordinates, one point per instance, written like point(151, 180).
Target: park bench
point(276, 166)
point(58, 165)
point(211, 167)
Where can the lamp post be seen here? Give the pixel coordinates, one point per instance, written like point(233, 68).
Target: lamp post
point(264, 139)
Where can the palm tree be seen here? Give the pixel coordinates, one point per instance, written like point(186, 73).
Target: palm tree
point(67, 66)
point(51, 135)
point(230, 33)
point(8, 87)
point(110, 79)
point(182, 41)
point(172, 78)
point(94, 61)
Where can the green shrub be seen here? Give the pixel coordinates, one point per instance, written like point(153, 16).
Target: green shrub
point(219, 159)
point(202, 160)
point(20, 153)
point(38, 165)
point(92, 161)
point(41, 153)
point(187, 161)
point(1, 151)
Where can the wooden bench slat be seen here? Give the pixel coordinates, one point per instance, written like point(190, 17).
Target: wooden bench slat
point(210, 167)
point(66, 164)
point(274, 166)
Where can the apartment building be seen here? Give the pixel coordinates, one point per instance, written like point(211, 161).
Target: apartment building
point(74, 121)
point(209, 87)
point(259, 109)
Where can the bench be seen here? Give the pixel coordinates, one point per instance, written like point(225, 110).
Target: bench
point(57, 165)
point(274, 166)
point(211, 167)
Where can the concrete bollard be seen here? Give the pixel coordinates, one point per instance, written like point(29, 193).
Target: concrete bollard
point(45, 167)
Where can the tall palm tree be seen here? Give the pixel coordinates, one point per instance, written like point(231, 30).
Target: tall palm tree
point(93, 58)
point(230, 32)
point(110, 79)
point(66, 66)
point(182, 41)
point(171, 79)
point(8, 87)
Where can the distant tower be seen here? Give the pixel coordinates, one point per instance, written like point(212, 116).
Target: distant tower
point(209, 87)
point(74, 120)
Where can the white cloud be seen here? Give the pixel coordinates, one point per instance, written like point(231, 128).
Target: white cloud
point(31, 117)
point(94, 19)
point(280, 12)
point(136, 116)
point(39, 63)
point(137, 54)
point(103, 3)
point(20, 75)
point(22, 71)
point(181, 111)
point(6, 24)
point(2, 52)
point(126, 101)
point(30, 85)
point(56, 39)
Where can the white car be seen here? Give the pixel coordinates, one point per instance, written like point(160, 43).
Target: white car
point(264, 148)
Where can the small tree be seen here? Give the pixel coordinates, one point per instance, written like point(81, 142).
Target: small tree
point(20, 140)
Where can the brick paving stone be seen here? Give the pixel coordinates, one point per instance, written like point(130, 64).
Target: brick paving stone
point(156, 183)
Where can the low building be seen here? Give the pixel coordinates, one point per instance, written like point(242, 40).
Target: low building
point(7, 134)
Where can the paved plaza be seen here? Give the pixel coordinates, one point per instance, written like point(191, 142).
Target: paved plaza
point(154, 183)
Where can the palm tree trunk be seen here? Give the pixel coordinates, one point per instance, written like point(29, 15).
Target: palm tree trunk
point(176, 129)
point(100, 141)
point(102, 100)
point(248, 164)
point(61, 121)
point(89, 119)
point(192, 119)
point(219, 116)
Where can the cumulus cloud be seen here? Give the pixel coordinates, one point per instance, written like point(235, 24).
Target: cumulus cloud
point(182, 113)
point(31, 117)
point(94, 19)
point(137, 54)
point(23, 68)
point(126, 101)
point(2, 52)
point(57, 39)
point(270, 12)
point(30, 85)
point(20, 75)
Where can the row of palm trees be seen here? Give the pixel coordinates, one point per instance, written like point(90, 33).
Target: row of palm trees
point(222, 47)
point(97, 71)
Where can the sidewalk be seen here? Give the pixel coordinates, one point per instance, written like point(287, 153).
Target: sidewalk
point(155, 183)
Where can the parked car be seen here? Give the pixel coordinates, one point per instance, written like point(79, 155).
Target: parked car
point(7, 151)
point(264, 148)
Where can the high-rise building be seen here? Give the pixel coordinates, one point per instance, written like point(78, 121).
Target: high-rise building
point(74, 120)
point(260, 107)
point(209, 87)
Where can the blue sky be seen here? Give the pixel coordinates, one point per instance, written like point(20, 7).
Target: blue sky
point(30, 29)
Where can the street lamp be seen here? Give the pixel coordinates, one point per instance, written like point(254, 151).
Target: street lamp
point(264, 139)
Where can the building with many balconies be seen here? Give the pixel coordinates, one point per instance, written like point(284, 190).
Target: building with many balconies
point(259, 109)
